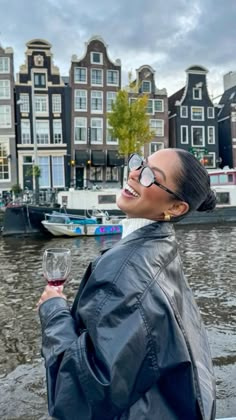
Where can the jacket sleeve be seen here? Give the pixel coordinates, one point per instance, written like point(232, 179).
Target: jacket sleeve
point(99, 372)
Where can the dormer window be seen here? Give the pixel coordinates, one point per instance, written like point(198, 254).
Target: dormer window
point(96, 58)
point(40, 80)
point(197, 93)
point(146, 86)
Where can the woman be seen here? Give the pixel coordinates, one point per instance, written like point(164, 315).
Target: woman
point(133, 347)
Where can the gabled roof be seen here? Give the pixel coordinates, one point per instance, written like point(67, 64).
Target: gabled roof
point(173, 98)
point(228, 97)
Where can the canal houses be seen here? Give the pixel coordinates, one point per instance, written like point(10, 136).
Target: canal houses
point(8, 161)
point(94, 80)
point(193, 118)
point(157, 107)
point(43, 119)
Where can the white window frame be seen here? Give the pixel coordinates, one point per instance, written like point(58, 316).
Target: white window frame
point(208, 134)
point(203, 131)
point(150, 101)
point(25, 131)
point(154, 105)
point(56, 104)
point(94, 83)
point(5, 88)
point(94, 120)
point(149, 88)
point(108, 136)
point(182, 108)
point(4, 65)
point(38, 123)
point(194, 119)
point(110, 100)
point(195, 89)
point(4, 144)
point(208, 112)
point(157, 128)
point(86, 75)
point(153, 143)
point(48, 171)
point(57, 131)
point(24, 103)
point(41, 102)
point(76, 125)
point(61, 171)
point(96, 95)
point(40, 73)
point(95, 62)
point(77, 93)
point(182, 127)
point(8, 118)
point(117, 77)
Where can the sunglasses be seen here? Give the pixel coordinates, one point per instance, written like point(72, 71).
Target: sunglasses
point(147, 176)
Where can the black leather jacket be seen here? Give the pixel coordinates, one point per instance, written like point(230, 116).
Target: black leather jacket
point(134, 346)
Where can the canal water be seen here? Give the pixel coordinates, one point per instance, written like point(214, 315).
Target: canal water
point(209, 258)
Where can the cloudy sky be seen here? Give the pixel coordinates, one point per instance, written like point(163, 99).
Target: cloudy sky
point(169, 35)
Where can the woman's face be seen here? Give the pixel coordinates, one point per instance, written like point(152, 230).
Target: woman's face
point(152, 202)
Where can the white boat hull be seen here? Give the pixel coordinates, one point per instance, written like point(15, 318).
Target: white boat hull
point(73, 230)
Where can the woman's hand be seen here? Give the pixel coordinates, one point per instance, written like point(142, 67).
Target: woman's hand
point(50, 292)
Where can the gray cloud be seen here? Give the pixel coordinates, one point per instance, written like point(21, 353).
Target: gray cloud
point(169, 35)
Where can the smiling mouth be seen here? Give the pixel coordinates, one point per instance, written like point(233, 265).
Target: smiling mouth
point(131, 191)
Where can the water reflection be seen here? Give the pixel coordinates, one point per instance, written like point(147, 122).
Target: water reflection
point(209, 261)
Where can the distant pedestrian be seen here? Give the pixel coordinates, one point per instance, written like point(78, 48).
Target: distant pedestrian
point(133, 346)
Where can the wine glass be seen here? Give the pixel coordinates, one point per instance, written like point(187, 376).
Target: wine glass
point(56, 265)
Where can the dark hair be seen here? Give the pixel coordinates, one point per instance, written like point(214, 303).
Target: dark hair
point(193, 183)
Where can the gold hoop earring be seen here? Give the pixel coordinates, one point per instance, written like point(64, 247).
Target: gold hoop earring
point(167, 217)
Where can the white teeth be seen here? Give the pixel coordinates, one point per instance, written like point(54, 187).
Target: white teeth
point(131, 190)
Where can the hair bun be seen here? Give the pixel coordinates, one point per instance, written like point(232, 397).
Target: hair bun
point(209, 203)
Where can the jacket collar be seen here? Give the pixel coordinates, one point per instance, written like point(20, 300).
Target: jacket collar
point(156, 229)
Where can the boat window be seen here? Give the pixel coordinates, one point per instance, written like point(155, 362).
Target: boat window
point(223, 178)
point(230, 178)
point(222, 198)
point(214, 179)
point(107, 199)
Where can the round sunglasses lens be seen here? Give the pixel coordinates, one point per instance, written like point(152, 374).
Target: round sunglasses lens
point(135, 162)
point(146, 177)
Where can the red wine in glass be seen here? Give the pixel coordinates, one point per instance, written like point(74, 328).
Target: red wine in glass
point(56, 265)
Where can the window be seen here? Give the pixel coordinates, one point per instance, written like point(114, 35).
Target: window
point(42, 132)
point(80, 125)
point(210, 112)
point(41, 105)
point(96, 58)
point(197, 113)
point(155, 146)
point(44, 179)
point(211, 135)
point(80, 100)
point(113, 77)
point(149, 107)
point(5, 116)
point(222, 198)
point(112, 173)
point(5, 92)
point(111, 97)
point(95, 173)
point(198, 136)
point(158, 105)
point(184, 134)
point(56, 104)
point(96, 77)
point(184, 111)
point(132, 100)
point(209, 160)
point(58, 178)
point(40, 80)
point(197, 93)
point(158, 127)
point(4, 162)
point(80, 75)
point(25, 132)
point(109, 138)
point(27, 159)
point(96, 130)
point(57, 132)
point(96, 101)
point(146, 86)
point(4, 65)
point(24, 102)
